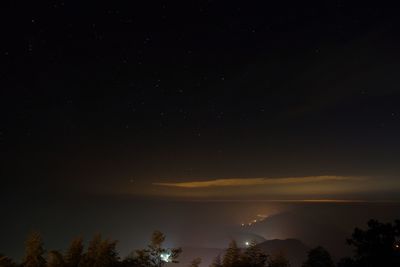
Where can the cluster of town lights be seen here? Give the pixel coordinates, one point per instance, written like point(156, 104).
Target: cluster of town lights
point(260, 218)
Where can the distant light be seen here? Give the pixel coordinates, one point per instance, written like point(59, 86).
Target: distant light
point(247, 243)
point(255, 221)
point(397, 245)
point(166, 257)
point(242, 224)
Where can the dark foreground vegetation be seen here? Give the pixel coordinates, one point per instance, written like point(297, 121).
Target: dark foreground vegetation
point(376, 246)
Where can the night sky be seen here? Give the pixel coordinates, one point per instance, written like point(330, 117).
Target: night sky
point(197, 100)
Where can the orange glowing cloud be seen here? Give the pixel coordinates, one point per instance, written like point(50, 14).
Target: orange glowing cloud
point(235, 182)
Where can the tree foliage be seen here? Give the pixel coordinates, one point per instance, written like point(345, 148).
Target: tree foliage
point(6, 262)
point(318, 257)
point(195, 262)
point(346, 262)
point(376, 246)
point(155, 255)
point(278, 260)
point(73, 255)
point(232, 257)
point(55, 259)
point(34, 251)
point(216, 262)
point(254, 256)
point(100, 253)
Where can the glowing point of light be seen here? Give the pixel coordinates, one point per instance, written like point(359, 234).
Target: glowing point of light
point(166, 257)
point(242, 224)
point(247, 243)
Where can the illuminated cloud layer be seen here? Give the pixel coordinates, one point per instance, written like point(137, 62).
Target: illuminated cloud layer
point(256, 181)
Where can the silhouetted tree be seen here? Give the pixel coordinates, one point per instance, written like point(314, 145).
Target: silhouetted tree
point(346, 262)
point(195, 262)
point(6, 262)
point(253, 256)
point(107, 255)
point(318, 257)
point(34, 251)
point(139, 259)
point(278, 260)
point(88, 259)
point(55, 259)
point(100, 253)
point(376, 246)
point(216, 262)
point(155, 255)
point(232, 255)
point(73, 255)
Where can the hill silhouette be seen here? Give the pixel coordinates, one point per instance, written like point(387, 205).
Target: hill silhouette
point(305, 228)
